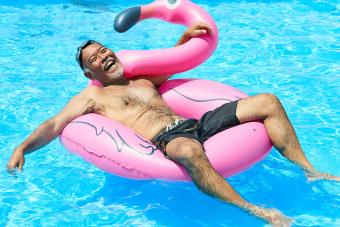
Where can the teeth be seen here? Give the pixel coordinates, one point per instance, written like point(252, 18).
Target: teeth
point(109, 62)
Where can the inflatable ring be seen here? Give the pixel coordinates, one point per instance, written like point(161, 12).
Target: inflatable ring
point(171, 60)
point(117, 149)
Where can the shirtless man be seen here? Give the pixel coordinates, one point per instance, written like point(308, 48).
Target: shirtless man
point(136, 103)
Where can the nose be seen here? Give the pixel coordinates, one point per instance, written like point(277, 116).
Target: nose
point(104, 58)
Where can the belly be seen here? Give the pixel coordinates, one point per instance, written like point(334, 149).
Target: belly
point(152, 120)
point(146, 117)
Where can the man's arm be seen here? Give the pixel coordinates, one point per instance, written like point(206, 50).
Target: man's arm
point(193, 31)
point(51, 128)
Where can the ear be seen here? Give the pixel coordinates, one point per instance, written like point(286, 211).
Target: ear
point(89, 74)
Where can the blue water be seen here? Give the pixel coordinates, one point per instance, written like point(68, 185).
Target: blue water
point(287, 47)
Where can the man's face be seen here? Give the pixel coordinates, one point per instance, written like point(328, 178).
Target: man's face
point(102, 63)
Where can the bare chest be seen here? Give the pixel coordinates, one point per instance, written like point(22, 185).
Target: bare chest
point(128, 100)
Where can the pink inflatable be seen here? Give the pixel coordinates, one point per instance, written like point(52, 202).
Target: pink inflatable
point(117, 149)
point(172, 60)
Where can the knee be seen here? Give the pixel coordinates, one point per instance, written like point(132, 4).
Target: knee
point(271, 104)
point(187, 153)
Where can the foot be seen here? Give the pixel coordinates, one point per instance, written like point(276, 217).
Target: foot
point(314, 176)
point(272, 216)
point(277, 219)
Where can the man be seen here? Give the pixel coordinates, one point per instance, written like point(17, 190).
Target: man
point(136, 103)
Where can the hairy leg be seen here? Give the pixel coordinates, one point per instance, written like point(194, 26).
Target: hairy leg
point(190, 154)
point(268, 108)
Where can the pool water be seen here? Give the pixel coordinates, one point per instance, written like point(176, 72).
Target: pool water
point(287, 47)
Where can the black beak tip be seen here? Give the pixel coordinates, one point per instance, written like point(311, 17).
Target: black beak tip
point(127, 19)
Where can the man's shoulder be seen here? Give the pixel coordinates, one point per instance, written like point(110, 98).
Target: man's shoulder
point(91, 89)
point(143, 80)
point(89, 92)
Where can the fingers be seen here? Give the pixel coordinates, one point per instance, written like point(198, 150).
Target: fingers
point(198, 32)
point(10, 169)
point(197, 29)
point(15, 162)
point(204, 26)
point(10, 165)
point(21, 163)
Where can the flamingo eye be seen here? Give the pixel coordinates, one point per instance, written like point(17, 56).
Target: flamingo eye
point(173, 4)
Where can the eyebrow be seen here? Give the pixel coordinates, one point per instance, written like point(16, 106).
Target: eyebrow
point(96, 52)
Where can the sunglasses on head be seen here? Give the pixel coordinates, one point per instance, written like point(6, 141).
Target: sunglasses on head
point(80, 52)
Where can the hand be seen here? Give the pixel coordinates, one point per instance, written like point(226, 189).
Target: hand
point(198, 29)
point(195, 30)
point(17, 160)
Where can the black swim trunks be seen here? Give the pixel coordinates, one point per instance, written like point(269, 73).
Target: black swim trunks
point(211, 122)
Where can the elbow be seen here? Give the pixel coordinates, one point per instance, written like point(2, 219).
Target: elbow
point(53, 127)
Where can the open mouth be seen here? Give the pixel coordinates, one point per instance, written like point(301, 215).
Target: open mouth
point(110, 61)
